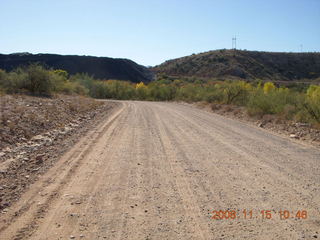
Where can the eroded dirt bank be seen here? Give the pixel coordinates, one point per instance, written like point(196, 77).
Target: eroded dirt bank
point(35, 132)
point(159, 170)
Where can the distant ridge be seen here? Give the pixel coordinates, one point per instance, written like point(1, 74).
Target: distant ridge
point(99, 67)
point(245, 65)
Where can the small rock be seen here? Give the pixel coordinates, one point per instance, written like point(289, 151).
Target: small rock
point(35, 170)
point(72, 237)
point(37, 138)
point(294, 136)
point(302, 125)
point(2, 154)
point(7, 149)
point(39, 158)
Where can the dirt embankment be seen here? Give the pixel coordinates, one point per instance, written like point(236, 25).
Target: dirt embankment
point(35, 131)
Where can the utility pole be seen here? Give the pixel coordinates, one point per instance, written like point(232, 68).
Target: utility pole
point(234, 42)
point(301, 47)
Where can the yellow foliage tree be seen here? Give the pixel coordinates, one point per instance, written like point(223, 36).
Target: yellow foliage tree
point(61, 72)
point(140, 85)
point(141, 91)
point(268, 87)
point(313, 92)
point(313, 102)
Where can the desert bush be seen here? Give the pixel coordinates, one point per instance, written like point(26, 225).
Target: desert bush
point(3, 79)
point(39, 81)
point(3, 76)
point(84, 80)
point(16, 81)
point(189, 93)
point(158, 91)
point(100, 90)
point(59, 80)
point(119, 90)
point(214, 94)
point(312, 103)
point(236, 92)
point(74, 88)
point(272, 100)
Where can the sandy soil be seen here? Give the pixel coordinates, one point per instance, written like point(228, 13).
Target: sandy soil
point(159, 170)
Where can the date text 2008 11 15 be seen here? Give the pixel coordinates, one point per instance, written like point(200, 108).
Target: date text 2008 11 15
point(258, 214)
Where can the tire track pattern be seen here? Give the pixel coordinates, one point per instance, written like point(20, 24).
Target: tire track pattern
point(157, 170)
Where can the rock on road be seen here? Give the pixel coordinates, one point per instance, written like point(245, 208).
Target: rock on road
point(159, 170)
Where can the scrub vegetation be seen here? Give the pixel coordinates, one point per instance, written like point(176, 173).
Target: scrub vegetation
point(299, 104)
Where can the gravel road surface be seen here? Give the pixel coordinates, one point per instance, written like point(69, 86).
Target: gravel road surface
point(170, 171)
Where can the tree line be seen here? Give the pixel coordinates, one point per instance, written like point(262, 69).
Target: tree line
point(259, 98)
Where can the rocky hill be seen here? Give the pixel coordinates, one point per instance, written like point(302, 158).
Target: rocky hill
point(99, 67)
point(245, 64)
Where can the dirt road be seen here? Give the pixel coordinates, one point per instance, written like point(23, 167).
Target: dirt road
point(159, 170)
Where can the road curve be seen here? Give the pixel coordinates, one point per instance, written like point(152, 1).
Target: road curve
point(161, 170)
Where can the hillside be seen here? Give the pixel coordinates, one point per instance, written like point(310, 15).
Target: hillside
point(99, 67)
point(245, 65)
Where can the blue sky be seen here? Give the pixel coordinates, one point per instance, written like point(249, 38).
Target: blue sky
point(152, 31)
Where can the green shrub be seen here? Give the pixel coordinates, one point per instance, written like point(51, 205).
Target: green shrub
point(39, 80)
point(236, 92)
point(74, 88)
point(274, 101)
point(190, 93)
point(3, 76)
point(214, 94)
point(15, 81)
point(161, 92)
point(59, 79)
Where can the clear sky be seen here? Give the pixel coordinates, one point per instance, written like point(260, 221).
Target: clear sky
point(152, 31)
